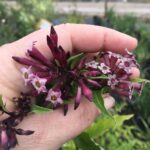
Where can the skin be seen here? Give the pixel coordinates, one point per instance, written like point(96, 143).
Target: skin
point(52, 129)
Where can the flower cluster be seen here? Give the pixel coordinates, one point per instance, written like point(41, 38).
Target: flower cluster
point(117, 70)
point(66, 77)
point(8, 131)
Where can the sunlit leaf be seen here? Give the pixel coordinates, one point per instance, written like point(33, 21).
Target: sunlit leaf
point(39, 109)
point(139, 80)
point(70, 145)
point(2, 105)
point(99, 77)
point(98, 100)
point(104, 123)
point(84, 142)
point(74, 59)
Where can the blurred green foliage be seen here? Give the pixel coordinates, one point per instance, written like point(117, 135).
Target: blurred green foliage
point(18, 21)
point(135, 133)
point(129, 132)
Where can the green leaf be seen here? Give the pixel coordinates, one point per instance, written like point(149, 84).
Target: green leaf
point(98, 100)
point(139, 80)
point(84, 142)
point(67, 101)
point(39, 109)
point(74, 59)
point(99, 77)
point(1, 102)
point(70, 145)
point(104, 123)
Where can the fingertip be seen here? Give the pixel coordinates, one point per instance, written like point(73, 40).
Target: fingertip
point(109, 102)
point(134, 43)
point(135, 73)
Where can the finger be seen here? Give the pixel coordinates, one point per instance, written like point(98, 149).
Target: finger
point(78, 37)
point(54, 128)
point(135, 73)
point(93, 38)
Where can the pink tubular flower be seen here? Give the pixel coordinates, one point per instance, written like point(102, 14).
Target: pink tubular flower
point(54, 97)
point(78, 97)
point(85, 90)
point(103, 68)
point(27, 75)
point(39, 84)
point(112, 81)
point(92, 64)
point(70, 77)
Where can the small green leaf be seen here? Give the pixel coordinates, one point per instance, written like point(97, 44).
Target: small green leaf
point(98, 100)
point(139, 80)
point(57, 62)
point(74, 59)
point(99, 77)
point(67, 101)
point(84, 142)
point(1, 103)
point(70, 145)
point(39, 109)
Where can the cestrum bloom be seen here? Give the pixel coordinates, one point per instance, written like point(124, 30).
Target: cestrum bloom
point(68, 77)
point(63, 78)
point(54, 97)
point(39, 84)
point(27, 75)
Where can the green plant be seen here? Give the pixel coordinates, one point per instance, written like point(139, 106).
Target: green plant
point(18, 21)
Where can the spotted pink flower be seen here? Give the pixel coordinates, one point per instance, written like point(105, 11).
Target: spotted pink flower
point(39, 84)
point(54, 97)
point(104, 68)
point(27, 75)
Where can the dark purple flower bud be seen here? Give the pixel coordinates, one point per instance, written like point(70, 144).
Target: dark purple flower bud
point(65, 109)
point(58, 52)
point(29, 62)
point(61, 56)
point(51, 45)
point(123, 93)
point(41, 74)
point(37, 55)
point(91, 73)
point(85, 90)
point(12, 138)
point(23, 132)
point(93, 83)
point(78, 98)
point(126, 85)
point(53, 36)
point(4, 139)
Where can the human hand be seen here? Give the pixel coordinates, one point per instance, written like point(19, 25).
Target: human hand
point(53, 129)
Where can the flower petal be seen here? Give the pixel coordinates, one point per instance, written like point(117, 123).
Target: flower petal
point(24, 132)
point(29, 62)
point(37, 55)
point(78, 98)
point(86, 91)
